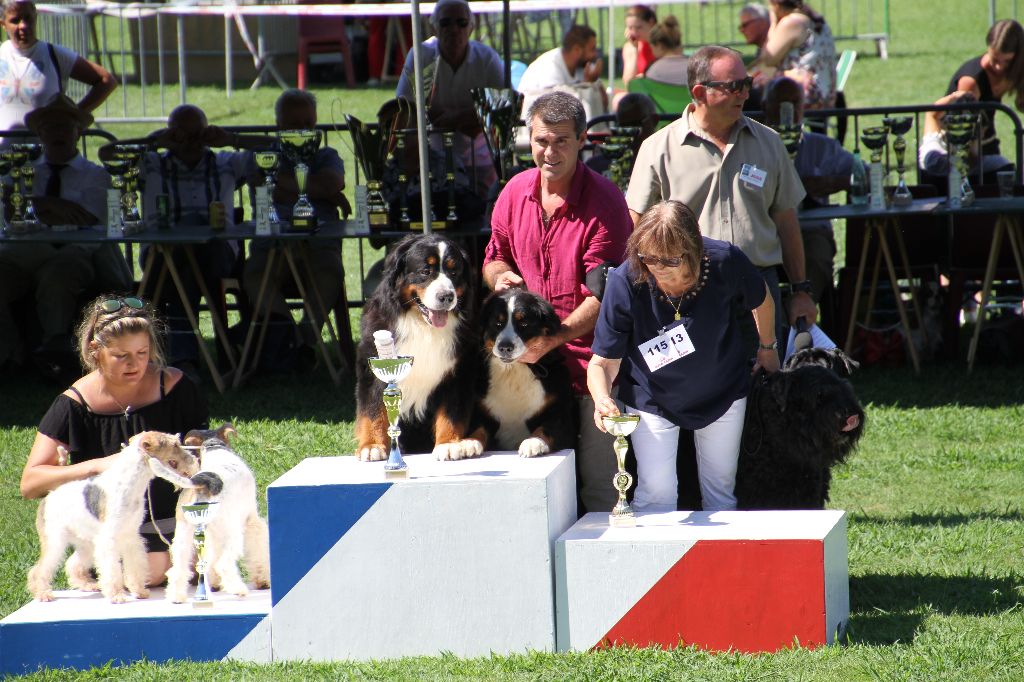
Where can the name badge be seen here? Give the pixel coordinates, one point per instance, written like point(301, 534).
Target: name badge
point(667, 347)
point(753, 175)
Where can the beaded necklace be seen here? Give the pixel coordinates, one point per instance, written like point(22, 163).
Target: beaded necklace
point(702, 279)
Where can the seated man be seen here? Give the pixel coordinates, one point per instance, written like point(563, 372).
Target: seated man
point(575, 67)
point(452, 66)
point(68, 191)
point(294, 110)
point(824, 168)
point(933, 152)
point(636, 110)
point(191, 177)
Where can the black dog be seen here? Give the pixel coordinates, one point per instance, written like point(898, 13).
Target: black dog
point(426, 298)
point(800, 422)
point(524, 407)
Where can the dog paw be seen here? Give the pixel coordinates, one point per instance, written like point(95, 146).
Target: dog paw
point(44, 596)
point(177, 596)
point(533, 447)
point(462, 449)
point(120, 598)
point(373, 453)
point(141, 594)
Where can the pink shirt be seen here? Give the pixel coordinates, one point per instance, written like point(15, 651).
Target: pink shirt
point(590, 228)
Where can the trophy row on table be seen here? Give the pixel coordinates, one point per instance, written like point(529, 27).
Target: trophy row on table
point(17, 162)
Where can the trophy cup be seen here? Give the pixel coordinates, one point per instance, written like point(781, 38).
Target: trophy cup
point(404, 220)
point(959, 133)
point(449, 178)
point(372, 150)
point(874, 138)
point(791, 135)
point(621, 426)
point(5, 168)
point(23, 217)
point(299, 146)
point(498, 110)
point(118, 169)
point(130, 155)
point(267, 162)
point(899, 126)
point(391, 371)
point(199, 515)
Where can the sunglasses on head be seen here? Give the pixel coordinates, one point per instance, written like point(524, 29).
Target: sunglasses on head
point(112, 305)
point(654, 260)
point(730, 86)
point(461, 23)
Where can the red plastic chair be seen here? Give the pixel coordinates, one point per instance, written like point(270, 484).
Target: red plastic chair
point(320, 35)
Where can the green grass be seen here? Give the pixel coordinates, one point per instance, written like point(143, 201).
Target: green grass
point(936, 532)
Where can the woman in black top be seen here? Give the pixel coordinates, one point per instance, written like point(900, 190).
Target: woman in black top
point(127, 390)
point(997, 72)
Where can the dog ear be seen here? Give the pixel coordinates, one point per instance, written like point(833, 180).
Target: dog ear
point(193, 438)
point(843, 363)
point(147, 442)
point(394, 263)
point(226, 431)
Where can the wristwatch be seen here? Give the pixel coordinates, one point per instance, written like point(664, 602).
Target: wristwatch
point(804, 286)
point(774, 345)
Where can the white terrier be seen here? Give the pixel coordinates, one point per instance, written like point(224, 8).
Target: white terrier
point(235, 531)
point(100, 517)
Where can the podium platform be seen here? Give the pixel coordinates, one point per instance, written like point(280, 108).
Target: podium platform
point(457, 558)
point(83, 629)
point(742, 581)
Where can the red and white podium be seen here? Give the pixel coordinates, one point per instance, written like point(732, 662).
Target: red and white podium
point(741, 581)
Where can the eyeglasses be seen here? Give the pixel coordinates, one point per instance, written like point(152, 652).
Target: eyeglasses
point(445, 23)
point(112, 305)
point(730, 86)
point(655, 260)
point(748, 22)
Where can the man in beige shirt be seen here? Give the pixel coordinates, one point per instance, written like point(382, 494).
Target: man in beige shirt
point(732, 171)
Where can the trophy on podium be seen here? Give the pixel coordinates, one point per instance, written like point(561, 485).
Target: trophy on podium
point(299, 146)
point(498, 110)
point(898, 127)
point(267, 162)
point(199, 515)
point(391, 368)
point(372, 148)
point(875, 138)
point(620, 426)
point(960, 130)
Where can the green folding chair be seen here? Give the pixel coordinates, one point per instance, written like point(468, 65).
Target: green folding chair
point(669, 98)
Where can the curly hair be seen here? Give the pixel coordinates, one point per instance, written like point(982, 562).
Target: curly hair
point(99, 327)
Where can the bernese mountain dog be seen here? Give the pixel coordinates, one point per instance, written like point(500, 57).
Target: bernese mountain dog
point(524, 407)
point(427, 299)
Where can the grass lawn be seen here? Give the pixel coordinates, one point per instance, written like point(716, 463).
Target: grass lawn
point(936, 534)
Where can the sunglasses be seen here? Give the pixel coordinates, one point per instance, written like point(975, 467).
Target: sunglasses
point(461, 23)
point(112, 305)
point(654, 260)
point(730, 86)
point(746, 23)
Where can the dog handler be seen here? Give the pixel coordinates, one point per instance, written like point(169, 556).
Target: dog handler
point(127, 390)
point(667, 323)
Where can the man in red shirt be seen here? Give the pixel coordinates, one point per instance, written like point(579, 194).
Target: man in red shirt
point(551, 226)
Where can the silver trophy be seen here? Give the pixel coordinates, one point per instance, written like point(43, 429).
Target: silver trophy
point(960, 129)
point(498, 110)
point(131, 155)
point(299, 146)
point(199, 515)
point(898, 127)
point(372, 146)
point(620, 426)
point(875, 138)
point(391, 371)
point(267, 162)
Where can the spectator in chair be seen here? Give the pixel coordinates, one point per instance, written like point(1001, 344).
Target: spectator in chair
point(35, 71)
point(637, 54)
point(755, 20)
point(933, 152)
point(453, 65)
point(553, 227)
point(733, 173)
point(575, 67)
point(192, 176)
point(670, 64)
point(69, 191)
point(824, 168)
point(296, 110)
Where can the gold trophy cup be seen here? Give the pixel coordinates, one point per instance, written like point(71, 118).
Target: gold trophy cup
point(875, 138)
point(199, 515)
point(620, 426)
point(299, 146)
point(898, 127)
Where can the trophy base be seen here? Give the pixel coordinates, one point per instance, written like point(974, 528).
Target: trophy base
point(378, 218)
point(203, 604)
point(617, 521)
point(303, 224)
point(25, 226)
point(902, 199)
point(396, 474)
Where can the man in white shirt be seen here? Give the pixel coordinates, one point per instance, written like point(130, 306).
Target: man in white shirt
point(452, 66)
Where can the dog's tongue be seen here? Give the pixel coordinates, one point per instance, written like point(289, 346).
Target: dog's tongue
point(852, 422)
point(438, 318)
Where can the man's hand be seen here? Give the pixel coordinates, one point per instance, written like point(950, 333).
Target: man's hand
point(538, 348)
point(592, 70)
point(56, 211)
point(802, 305)
point(507, 280)
point(215, 136)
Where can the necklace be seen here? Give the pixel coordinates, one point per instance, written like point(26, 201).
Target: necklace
point(125, 409)
point(692, 293)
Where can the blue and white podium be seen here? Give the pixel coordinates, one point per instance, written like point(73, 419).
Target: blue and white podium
point(81, 630)
point(739, 581)
point(457, 558)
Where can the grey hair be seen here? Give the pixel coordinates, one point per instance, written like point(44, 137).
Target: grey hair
point(293, 96)
point(698, 69)
point(757, 9)
point(558, 107)
point(435, 16)
point(10, 4)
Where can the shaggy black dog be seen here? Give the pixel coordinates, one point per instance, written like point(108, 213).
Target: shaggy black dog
point(800, 422)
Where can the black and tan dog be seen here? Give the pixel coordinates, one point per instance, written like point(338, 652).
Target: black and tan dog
point(800, 423)
point(426, 298)
point(524, 407)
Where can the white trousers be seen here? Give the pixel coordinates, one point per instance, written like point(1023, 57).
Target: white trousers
point(718, 446)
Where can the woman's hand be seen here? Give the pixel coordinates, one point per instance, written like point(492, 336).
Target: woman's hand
point(604, 407)
point(768, 360)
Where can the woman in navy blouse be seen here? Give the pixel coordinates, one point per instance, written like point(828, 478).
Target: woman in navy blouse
point(669, 330)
